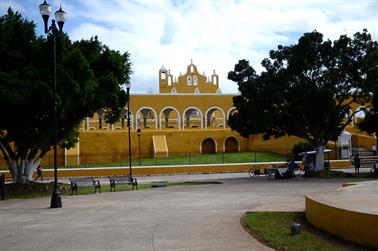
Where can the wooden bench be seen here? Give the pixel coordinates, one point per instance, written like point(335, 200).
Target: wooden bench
point(116, 180)
point(84, 182)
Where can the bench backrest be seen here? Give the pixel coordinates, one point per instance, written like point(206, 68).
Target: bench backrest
point(119, 178)
point(84, 180)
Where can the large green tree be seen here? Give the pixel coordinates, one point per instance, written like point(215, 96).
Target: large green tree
point(305, 90)
point(370, 86)
point(90, 77)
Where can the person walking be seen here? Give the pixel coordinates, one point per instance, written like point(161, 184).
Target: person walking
point(39, 173)
point(357, 164)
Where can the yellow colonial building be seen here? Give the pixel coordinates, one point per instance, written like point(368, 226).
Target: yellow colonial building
point(189, 115)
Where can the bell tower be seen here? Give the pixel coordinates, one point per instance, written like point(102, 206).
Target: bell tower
point(163, 79)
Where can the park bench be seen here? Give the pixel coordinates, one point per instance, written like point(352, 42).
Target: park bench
point(84, 182)
point(118, 180)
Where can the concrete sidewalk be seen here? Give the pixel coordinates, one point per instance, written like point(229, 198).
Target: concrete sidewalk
point(205, 217)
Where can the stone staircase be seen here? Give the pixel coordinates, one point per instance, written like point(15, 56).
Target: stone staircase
point(366, 157)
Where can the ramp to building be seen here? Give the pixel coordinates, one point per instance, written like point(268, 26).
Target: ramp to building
point(160, 146)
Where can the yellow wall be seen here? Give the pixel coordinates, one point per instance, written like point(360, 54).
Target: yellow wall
point(350, 225)
point(363, 140)
point(179, 142)
point(282, 145)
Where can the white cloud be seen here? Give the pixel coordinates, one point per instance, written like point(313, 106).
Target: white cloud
point(5, 4)
point(215, 34)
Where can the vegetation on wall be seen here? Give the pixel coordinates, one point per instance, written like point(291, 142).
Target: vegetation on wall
point(90, 76)
point(305, 89)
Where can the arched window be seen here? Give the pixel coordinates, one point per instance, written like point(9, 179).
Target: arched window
point(214, 118)
point(215, 80)
point(189, 80)
point(169, 118)
point(195, 80)
point(192, 118)
point(146, 118)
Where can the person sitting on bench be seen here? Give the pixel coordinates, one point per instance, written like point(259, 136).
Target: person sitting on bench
point(288, 173)
point(290, 169)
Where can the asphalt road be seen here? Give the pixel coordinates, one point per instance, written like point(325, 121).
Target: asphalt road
point(205, 217)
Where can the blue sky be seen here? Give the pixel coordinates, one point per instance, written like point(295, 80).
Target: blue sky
point(215, 33)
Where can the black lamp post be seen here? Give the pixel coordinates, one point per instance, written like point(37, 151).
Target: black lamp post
point(45, 10)
point(128, 128)
point(139, 132)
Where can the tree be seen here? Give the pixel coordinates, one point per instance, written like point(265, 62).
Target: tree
point(370, 86)
point(305, 90)
point(90, 77)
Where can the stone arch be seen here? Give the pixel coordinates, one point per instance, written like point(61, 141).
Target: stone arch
point(186, 116)
point(208, 145)
point(166, 111)
point(213, 117)
point(230, 112)
point(146, 118)
point(231, 144)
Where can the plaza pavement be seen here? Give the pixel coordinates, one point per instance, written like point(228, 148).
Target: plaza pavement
point(205, 217)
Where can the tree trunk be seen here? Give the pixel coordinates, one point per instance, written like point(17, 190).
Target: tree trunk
point(23, 170)
point(30, 167)
point(319, 162)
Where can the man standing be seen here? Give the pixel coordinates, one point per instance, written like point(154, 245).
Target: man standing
point(357, 164)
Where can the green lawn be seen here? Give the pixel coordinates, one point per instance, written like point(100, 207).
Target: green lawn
point(218, 158)
point(273, 229)
point(241, 157)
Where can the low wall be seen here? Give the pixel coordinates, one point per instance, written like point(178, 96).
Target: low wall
point(350, 225)
point(145, 170)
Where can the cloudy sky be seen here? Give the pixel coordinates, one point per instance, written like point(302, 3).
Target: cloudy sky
point(215, 33)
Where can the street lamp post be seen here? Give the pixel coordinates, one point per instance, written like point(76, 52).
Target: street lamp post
point(139, 132)
point(128, 128)
point(45, 10)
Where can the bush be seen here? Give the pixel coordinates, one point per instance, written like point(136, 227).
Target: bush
point(303, 146)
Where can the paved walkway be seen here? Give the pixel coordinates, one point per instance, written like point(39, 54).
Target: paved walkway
point(186, 218)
